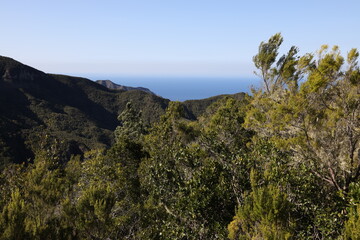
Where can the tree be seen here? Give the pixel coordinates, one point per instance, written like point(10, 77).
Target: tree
point(263, 215)
point(352, 225)
point(188, 193)
point(33, 210)
point(91, 208)
point(127, 153)
point(265, 210)
point(319, 121)
point(13, 218)
point(226, 141)
point(131, 126)
point(310, 108)
point(195, 172)
point(128, 150)
point(164, 173)
point(275, 78)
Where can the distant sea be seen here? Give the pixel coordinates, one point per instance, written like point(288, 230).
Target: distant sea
point(186, 88)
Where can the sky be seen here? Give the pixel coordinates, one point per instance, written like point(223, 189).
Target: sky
point(215, 38)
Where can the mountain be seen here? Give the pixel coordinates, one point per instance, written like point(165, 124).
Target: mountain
point(112, 85)
point(78, 111)
point(196, 108)
point(37, 108)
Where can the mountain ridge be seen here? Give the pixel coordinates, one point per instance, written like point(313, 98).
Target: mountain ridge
point(111, 85)
point(78, 111)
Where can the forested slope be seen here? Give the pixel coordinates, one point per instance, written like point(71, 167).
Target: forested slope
point(283, 163)
point(77, 111)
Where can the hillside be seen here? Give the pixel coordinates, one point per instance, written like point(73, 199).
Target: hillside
point(196, 108)
point(280, 164)
point(76, 110)
point(111, 85)
point(79, 112)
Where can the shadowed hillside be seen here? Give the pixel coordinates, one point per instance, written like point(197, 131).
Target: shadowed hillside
point(76, 110)
point(36, 107)
point(196, 108)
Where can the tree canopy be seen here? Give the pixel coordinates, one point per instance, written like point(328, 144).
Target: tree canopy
point(280, 163)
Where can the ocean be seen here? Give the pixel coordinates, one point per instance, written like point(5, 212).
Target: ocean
point(186, 88)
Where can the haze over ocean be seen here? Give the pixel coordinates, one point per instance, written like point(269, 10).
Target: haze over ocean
point(186, 88)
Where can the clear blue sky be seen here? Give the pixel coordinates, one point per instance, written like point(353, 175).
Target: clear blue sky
point(167, 37)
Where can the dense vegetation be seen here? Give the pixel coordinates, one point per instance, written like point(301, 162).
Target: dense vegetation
point(283, 163)
point(75, 110)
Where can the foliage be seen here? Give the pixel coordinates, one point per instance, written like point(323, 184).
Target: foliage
point(352, 225)
point(282, 163)
point(309, 107)
point(263, 215)
point(318, 122)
